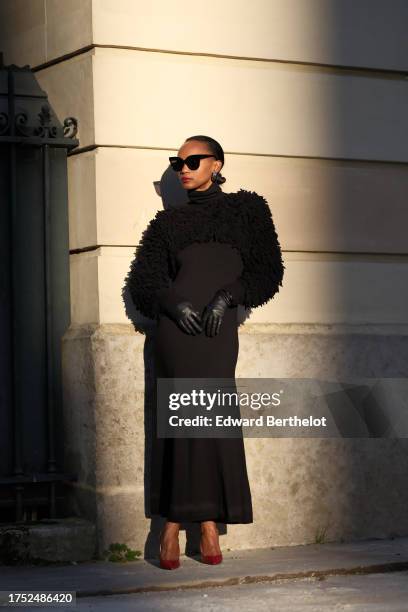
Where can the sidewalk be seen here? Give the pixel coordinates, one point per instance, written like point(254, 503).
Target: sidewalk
point(240, 567)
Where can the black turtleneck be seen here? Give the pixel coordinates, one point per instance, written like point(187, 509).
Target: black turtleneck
point(207, 195)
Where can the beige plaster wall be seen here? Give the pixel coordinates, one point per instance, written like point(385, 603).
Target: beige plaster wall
point(330, 32)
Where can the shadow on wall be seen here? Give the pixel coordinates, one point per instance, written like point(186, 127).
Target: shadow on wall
point(173, 196)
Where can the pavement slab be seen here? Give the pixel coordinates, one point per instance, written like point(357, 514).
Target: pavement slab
point(246, 567)
point(352, 593)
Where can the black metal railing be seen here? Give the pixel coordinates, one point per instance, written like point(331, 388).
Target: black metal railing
point(34, 297)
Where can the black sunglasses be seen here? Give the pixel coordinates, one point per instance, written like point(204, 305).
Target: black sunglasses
point(192, 161)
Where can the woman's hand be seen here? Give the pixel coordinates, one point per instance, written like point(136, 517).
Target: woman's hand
point(188, 319)
point(180, 310)
point(214, 312)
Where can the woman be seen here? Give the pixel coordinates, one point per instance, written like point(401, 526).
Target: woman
point(193, 266)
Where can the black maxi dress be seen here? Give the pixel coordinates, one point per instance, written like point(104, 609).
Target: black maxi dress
point(199, 479)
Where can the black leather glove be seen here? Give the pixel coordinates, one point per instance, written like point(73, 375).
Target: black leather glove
point(181, 311)
point(188, 319)
point(214, 312)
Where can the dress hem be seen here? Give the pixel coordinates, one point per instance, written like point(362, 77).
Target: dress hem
point(224, 519)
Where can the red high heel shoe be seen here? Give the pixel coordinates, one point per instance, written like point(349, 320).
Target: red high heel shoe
point(168, 563)
point(210, 559)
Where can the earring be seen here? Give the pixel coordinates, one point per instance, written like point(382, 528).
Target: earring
point(214, 176)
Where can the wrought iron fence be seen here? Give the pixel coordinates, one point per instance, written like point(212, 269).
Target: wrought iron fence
point(34, 296)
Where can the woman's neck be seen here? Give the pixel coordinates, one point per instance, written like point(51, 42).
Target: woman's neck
point(206, 195)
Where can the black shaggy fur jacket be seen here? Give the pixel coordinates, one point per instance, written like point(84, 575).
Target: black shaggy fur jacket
point(242, 219)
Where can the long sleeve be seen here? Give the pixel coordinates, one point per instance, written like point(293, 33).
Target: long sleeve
point(150, 276)
point(261, 254)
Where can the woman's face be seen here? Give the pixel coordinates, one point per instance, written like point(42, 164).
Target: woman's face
point(201, 178)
